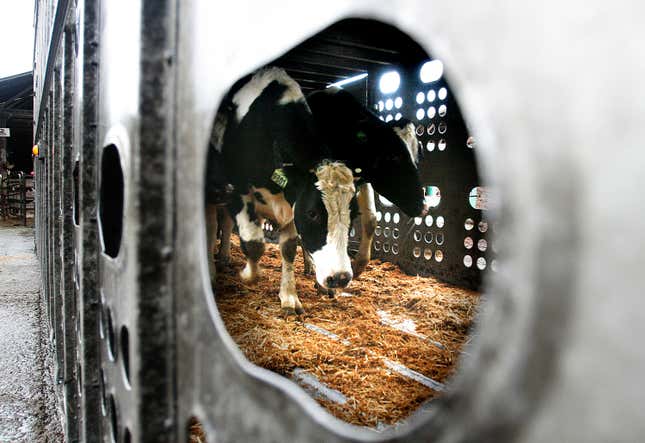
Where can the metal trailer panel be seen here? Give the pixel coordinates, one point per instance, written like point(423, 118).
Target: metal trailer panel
point(534, 105)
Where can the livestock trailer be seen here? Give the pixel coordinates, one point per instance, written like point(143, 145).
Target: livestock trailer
point(515, 114)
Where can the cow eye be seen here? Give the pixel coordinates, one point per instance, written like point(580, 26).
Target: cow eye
point(312, 214)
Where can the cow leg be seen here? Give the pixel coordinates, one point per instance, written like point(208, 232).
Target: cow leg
point(211, 239)
point(288, 245)
point(251, 235)
point(367, 209)
point(224, 253)
point(308, 264)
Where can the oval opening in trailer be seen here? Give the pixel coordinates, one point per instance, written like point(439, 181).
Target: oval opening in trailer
point(380, 348)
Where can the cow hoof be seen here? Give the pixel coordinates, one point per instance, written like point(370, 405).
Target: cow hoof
point(358, 266)
point(250, 274)
point(293, 311)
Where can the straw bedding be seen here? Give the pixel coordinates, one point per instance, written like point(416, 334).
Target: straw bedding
point(365, 323)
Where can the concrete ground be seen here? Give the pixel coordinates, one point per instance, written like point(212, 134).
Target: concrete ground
point(27, 401)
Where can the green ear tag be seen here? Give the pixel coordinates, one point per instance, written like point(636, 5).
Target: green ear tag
point(361, 137)
point(279, 178)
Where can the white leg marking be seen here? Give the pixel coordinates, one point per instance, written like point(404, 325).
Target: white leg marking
point(288, 296)
point(250, 231)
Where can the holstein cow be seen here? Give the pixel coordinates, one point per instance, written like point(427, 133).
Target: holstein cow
point(265, 143)
point(382, 155)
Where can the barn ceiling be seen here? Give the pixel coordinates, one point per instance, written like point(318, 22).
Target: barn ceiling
point(16, 100)
point(348, 48)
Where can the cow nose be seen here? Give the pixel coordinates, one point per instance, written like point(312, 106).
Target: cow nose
point(338, 280)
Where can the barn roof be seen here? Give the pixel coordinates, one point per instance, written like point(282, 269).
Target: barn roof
point(16, 100)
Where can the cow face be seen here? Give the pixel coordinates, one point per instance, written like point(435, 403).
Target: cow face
point(322, 218)
point(392, 166)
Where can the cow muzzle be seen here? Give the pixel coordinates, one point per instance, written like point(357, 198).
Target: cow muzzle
point(338, 280)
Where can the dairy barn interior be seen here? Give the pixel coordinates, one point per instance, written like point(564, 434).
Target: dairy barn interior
point(385, 346)
point(488, 319)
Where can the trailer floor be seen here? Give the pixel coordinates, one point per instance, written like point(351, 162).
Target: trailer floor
point(372, 355)
point(27, 401)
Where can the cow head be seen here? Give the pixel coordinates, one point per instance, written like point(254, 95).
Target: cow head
point(322, 218)
point(392, 158)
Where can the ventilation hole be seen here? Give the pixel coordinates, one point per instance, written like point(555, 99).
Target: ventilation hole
point(443, 93)
point(438, 256)
point(352, 233)
point(379, 215)
point(431, 95)
point(442, 145)
point(443, 109)
point(386, 232)
point(398, 116)
point(111, 201)
point(431, 71)
point(395, 233)
point(387, 217)
point(482, 245)
point(468, 261)
point(420, 130)
point(381, 105)
point(395, 249)
point(416, 252)
point(427, 253)
point(386, 247)
point(114, 421)
point(389, 118)
point(470, 142)
point(481, 263)
point(79, 380)
point(430, 146)
point(77, 206)
point(428, 220)
point(418, 221)
point(103, 392)
point(432, 112)
point(420, 114)
point(398, 102)
point(109, 333)
point(396, 218)
point(428, 237)
point(377, 245)
point(389, 82)
point(417, 235)
point(443, 127)
point(440, 222)
point(478, 198)
point(432, 196)
point(468, 243)
point(377, 231)
point(195, 431)
point(420, 97)
point(439, 239)
point(482, 226)
point(389, 104)
point(469, 224)
point(431, 129)
point(125, 353)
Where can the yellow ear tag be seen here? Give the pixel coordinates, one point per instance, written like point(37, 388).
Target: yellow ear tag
point(279, 178)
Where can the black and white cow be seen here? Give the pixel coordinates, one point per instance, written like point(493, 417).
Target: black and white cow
point(382, 155)
point(264, 143)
